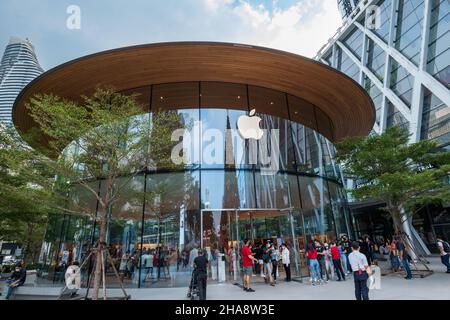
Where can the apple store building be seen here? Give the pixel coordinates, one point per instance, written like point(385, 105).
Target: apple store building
point(256, 128)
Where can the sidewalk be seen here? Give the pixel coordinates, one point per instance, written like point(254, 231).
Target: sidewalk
point(393, 287)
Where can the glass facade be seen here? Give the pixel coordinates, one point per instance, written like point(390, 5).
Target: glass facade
point(218, 196)
point(438, 49)
point(408, 51)
point(409, 28)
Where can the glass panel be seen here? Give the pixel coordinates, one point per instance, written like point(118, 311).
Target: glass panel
point(385, 8)
point(376, 59)
point(228, 189)
point(436, 119)
point(142, 96)
point(124, 230)
point(171, 234)
point(318, 219)
point(354, 42)
point(409, 28)
point(222, 95)
point(395, 117)
point(401, 82)
point(278, 191)
point(302, 112)
point(221, 243)
point(222, 146)
point(268, 102)
point(174, 96)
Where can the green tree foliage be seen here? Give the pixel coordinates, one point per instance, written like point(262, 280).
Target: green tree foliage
point(23, 194)
point(104, 137)
point(404, 176)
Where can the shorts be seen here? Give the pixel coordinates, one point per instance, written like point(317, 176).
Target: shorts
point(260, 261)
point(248, 271)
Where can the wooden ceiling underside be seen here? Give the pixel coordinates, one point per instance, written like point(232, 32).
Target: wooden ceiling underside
point(347, 104)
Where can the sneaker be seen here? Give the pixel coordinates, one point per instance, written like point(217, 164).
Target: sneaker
point(250, 290)
point(272, 284)
point(313, 283)
point(245, 289)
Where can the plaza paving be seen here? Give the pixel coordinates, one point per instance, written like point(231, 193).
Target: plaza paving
point(393, 287)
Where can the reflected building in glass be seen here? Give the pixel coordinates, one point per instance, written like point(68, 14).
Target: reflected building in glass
point(223, 191)
point(399, 52)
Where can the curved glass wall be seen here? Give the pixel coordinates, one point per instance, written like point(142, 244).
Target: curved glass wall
point(284, 187)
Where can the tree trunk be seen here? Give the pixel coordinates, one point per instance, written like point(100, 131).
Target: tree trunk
point(98, 258)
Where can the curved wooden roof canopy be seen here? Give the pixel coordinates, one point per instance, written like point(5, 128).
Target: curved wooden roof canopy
point(346, 104)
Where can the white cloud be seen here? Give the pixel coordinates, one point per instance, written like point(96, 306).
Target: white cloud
point(302, 28)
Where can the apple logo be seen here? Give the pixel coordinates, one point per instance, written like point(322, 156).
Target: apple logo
point(248, 126)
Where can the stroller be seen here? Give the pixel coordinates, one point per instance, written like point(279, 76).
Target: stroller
point(193, 293)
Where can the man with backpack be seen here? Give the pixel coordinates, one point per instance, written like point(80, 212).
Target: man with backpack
point(444, 251)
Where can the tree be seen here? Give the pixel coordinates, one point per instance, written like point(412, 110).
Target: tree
point(404, 176)
point(22, 194)
point(105, 137)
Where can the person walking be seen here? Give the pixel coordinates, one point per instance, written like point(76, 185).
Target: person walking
point(361, 272)
point(286, 260)
point(444, 251)
point(342, 251)
point(201, 273)
point(268, 266)
point(147, 260)
point(274, 257)
point(328, 261)
point(311, 254)
point(403, 254)
point(336, 256)
point(247, 263)
point(16, 279)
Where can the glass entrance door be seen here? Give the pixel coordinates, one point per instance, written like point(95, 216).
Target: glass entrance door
point(223, 231)
point(220, 239)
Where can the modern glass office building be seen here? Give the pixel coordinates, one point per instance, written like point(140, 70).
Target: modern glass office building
point(398, 50)
point(166, 214)
point(18, 67)
point(346, 7)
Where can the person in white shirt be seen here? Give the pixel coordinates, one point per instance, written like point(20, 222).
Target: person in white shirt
point(285, 259)
point(147, 263)
point(361, 272)
point(444, 251)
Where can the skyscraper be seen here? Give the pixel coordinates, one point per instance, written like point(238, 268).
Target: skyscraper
point(346, 7)
point(398, 50)
point(18, 67)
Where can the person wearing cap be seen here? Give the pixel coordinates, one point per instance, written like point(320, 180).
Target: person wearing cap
point(361, 272)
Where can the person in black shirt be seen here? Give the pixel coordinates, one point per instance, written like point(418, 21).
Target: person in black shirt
point(201, 264)
point(321, 259)
point(17, 279)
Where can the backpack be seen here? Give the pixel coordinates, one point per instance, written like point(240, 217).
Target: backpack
point(446, 246)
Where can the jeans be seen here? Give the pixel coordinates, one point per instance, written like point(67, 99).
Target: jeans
point(287, 269)
point(344, 262)
point(274, 269)
point(446, 261)
point(9, 289)
point(338, 268)
point(323, 269)
point(361, 289)
point(314, 265)
point(268, 266)
point(405, 263)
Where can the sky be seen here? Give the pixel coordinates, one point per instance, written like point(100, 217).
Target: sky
point(298, 26)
